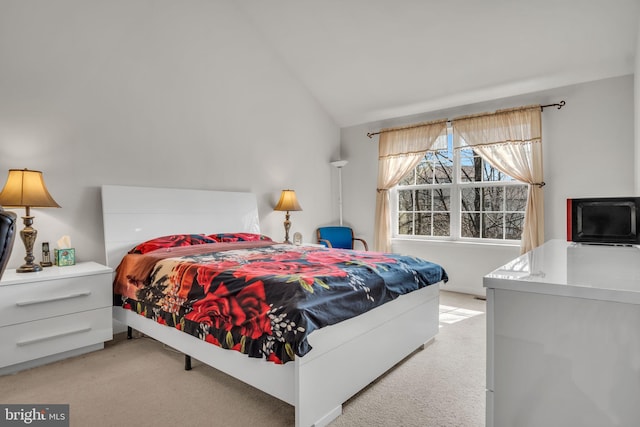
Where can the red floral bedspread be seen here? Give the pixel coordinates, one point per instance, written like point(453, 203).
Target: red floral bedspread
point(264, 299)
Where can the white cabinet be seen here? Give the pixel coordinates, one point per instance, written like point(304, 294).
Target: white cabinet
point(53, 314)
point(563, 338)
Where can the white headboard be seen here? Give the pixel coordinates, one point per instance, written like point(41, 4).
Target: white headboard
point(134, 214)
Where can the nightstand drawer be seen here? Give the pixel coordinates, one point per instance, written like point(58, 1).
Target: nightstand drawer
point(33, 340)
point(38, 300)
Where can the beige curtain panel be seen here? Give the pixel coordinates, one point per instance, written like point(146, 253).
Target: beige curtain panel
point(511, 141)
point(399, 152)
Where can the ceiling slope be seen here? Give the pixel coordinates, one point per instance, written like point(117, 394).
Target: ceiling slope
point(368, 60)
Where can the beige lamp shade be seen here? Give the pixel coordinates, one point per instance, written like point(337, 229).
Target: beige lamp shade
point(288, 201)
point(26, 188)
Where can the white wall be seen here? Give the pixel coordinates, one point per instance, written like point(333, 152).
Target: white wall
point(588, 150)
point(154, 93)
point(637, 112)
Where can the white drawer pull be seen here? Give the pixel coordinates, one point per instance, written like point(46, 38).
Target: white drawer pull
point(58, 298)
point(50, 337)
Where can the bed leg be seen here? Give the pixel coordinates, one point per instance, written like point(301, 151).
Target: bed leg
point(187, 362)
point(129, 332)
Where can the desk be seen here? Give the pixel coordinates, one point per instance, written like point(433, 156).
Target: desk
point(563, 337)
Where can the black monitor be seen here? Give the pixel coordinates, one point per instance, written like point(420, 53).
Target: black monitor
point(606, 220)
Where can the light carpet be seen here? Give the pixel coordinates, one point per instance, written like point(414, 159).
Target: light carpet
point(141, 383)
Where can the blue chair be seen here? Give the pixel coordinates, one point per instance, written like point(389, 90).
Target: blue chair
point(339, 237)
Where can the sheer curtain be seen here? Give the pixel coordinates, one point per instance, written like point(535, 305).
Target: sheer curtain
point(511, 140)
point(399, 152)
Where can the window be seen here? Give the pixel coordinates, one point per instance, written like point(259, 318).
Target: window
point(454, 194)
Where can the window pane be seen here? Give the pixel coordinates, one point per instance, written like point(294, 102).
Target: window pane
point(443, 168)
point(405, 223)
point(470, 166)
point(466, 165)
point(492, 198)
point(409, 179)
point(492, 226)
point(475, 169)
point(516, 198)
point(423, 224)
point(470, 225)
point(423, 200)
point(441, 199)
point(441, 224)
point(513, 225)
point(470, 199)
point(405, 200)
point(492, 174)
point(424, 173)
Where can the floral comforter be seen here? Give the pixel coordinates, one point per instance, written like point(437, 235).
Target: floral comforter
point(261, 298)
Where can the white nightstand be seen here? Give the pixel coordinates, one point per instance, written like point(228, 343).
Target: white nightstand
point(53, 314)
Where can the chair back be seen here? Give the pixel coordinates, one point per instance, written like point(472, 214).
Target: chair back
point(340, 237)
point(7, 237)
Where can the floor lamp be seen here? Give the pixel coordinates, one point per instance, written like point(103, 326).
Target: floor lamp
point(339, 164)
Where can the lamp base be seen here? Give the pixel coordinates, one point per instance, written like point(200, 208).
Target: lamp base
point(287, 226)
point(28, 235)
point(28, 268)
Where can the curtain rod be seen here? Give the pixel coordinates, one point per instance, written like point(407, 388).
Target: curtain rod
point(559, 105)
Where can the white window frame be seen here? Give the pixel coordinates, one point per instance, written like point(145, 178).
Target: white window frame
point(456, 187)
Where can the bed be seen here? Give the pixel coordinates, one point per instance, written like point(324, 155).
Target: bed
point(331, 363)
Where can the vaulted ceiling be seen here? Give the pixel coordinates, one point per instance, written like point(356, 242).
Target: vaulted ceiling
point(368, 60)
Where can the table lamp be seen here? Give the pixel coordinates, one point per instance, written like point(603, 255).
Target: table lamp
point(26, 189)
point(288, 202)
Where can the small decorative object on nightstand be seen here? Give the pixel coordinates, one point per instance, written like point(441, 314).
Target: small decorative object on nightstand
point(46, 255)
point(65, 256)
point(297, 238)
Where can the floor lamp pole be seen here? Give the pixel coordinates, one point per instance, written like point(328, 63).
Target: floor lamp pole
point(339, 164)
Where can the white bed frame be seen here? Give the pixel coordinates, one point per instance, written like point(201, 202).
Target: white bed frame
point(345, 357)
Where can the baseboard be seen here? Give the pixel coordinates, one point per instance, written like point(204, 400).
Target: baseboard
point(7, 370)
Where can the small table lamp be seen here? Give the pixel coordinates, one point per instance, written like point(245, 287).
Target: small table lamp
point(25, 189)
point(288, 202)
